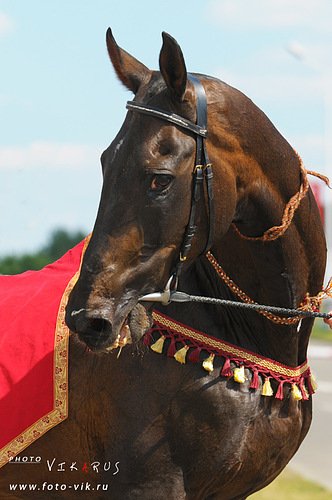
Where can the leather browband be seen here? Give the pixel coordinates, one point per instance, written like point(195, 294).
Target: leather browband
point(170, 117)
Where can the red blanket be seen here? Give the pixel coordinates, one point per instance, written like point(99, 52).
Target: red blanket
point(33, 352)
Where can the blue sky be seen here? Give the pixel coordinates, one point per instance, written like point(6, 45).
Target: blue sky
point(61, 105)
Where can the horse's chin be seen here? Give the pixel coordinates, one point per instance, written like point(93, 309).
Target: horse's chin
point(132, 329)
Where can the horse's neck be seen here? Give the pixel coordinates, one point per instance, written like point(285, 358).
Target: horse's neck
point(269, 274)
point(271, 284)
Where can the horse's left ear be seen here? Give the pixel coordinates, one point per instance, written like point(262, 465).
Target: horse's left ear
point(172, 67)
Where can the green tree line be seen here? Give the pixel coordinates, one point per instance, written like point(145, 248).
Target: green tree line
point(59, 242)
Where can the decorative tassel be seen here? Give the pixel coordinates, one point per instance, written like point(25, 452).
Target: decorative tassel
point(296, 393)
point(147, 338)
point(172, 348)
point(280, 391)
point(180, 355)
point(194, 355)
point(239, 375)
point(267, 389)
point(303, 390)
point(208, 363)
point(158, 345)
point(227, 371)
point(312, 384)
point(255, 380)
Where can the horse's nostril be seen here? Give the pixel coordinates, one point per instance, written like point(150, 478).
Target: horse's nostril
point(92, 331)
point(99, 325)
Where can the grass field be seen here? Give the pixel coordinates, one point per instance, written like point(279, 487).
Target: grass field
point(290, 486)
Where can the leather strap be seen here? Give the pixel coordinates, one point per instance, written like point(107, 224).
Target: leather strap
point(203, 167)
point(166, 116)
point(202, 157)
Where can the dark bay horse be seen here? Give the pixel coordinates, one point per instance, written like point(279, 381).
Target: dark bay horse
point(173, 430)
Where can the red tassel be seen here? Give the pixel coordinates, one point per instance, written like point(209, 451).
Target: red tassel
point(303, 389)
point(172, 348)
point(280, 391)
point(226, 371)
point(194, 355)
point(255, 380)
point(147, 338)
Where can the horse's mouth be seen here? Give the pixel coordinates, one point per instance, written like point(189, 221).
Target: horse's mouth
point(99, 335)
point(123, 338)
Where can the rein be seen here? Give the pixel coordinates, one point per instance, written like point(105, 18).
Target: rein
point(203, 169)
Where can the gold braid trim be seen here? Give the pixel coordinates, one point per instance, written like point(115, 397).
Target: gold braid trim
point(228, 349)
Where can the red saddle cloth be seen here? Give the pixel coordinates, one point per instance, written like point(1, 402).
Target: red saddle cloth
point(33, 352)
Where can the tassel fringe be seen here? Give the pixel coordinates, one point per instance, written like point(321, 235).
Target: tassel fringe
point(180, 355)
point(194, 355)
point(172, 348)
point(302, 386)
point(296, 393)
point(208, 363)
point(227, 371)
point(255, 380)
point(239, 375)
point(280, 391)
point(158, 345)
point(267, 389)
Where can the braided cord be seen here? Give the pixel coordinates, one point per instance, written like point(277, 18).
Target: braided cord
point(308, 308)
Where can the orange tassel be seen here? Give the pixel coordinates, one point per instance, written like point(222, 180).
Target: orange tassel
point(239, 375)
point(313, 382)
point(296, 393)
point(208, 363)
point(180, 355)
point(158, 345)
point(267, 389)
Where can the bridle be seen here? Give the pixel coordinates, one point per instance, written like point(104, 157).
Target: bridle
point(202, 170)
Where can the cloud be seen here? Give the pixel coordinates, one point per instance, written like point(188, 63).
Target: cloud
point(6, 24)
point(49, 155)
point(274, 13)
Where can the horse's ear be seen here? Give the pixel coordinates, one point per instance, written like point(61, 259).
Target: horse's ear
point(172, 66)
point(130, 71)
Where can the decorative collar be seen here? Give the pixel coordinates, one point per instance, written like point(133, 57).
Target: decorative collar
point(184, 343)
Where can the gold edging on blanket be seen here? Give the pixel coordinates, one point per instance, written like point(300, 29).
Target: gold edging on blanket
point(60, 401)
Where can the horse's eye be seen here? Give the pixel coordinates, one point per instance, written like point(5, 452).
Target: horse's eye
point(160, 182)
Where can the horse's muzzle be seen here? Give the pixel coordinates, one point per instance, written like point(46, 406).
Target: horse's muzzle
point(99, 334)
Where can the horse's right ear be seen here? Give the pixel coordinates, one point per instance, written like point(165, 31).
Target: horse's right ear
point(130, 71)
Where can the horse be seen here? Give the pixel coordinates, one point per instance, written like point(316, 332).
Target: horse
point(172, 428)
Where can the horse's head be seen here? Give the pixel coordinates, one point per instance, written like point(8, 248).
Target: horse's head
point(145, 204)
